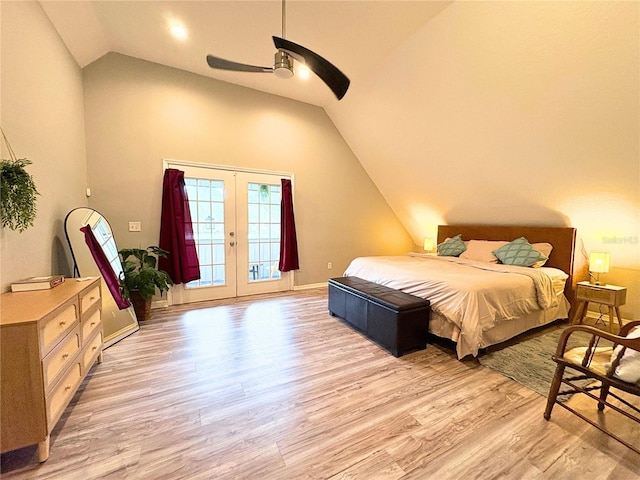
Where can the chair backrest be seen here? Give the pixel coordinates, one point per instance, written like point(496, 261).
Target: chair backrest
point(619, 363)
point(625, 361)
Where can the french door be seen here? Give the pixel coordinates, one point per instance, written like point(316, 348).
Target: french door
point(236, 226)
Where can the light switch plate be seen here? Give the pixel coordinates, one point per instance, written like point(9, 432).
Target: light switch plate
point(134, 227)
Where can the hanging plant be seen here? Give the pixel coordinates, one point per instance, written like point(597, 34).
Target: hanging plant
point(264, 192)
point(17, 192)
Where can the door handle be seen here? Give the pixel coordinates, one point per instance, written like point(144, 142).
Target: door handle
point(232, 243)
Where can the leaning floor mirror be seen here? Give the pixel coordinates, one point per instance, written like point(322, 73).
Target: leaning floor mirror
point(117, 322)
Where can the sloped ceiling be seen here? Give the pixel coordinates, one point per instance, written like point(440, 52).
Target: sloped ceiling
point(471, 112)
point(357, 36)
point(360, 37)
point(508, 113)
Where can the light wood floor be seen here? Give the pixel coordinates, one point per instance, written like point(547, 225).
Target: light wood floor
point(273, 387)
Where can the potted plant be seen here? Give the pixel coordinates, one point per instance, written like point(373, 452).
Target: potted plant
point(140, 277)
point(17, 192)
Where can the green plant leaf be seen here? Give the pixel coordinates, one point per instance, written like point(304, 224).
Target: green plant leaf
point(140, 273)
point(17, 195)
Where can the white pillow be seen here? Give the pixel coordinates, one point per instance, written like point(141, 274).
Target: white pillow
point(544, 249)
point(482, 250)
point(628, 369)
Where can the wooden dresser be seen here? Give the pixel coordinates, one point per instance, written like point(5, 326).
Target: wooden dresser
point(49, 341)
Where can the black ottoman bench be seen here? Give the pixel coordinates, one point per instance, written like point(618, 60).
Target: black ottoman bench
point(396, 320)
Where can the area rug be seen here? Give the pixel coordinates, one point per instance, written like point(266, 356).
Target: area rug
point(527, 358)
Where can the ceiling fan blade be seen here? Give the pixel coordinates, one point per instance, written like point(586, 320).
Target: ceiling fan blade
point(334, 78)
point(222, 64)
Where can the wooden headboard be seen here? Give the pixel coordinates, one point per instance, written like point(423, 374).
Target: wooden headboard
point(563, 240)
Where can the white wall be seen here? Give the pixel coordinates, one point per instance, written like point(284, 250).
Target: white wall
point(43, 117)
point(511, 113)
point(138, 113)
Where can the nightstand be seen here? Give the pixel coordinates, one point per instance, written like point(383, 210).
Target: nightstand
point(610, 295)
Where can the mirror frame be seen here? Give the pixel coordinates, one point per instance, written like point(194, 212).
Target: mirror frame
point(117, 324)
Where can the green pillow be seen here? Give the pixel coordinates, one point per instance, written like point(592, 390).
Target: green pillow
point(452, 247)
point(519, 252)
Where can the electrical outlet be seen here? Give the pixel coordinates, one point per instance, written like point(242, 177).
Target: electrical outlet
point(134, 227)
point(329, 266)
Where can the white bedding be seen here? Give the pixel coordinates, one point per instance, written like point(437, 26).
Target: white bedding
point(474, 296)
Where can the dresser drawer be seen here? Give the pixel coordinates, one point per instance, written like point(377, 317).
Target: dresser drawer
point(90, 352)
point(90, 325)
point(54, 328)
point(612, 295)
point(89, 299)
point(60, 358)
point(62, 393)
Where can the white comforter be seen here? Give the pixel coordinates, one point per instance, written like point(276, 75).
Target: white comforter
point(475, 296)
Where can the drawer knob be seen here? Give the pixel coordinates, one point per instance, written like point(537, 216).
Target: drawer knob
point(63, 323)
point(94, 348)
point(68, 387)
point(93, 323)
point(65, 355)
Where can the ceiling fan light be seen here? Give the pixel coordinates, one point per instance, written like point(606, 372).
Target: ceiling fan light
point(303, 72)
point(282, 65)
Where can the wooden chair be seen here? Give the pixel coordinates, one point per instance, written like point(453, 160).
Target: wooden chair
point(593, 362)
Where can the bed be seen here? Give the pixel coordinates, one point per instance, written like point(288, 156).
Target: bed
point(477, 304)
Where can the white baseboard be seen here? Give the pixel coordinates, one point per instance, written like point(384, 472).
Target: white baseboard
point(167, 299)
point(309, 286)
point(160, 303)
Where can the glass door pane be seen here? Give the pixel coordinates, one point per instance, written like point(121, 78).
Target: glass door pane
point(263, 203)
point(206, 201)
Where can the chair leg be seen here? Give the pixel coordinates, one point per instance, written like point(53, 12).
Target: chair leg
point(604, 391)
point(553, 391)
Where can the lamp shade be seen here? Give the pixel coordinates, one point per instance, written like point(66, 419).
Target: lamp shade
point(599, 262)
point(428, 244)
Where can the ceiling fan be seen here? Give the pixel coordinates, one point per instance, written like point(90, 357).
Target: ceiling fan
point(283, 63)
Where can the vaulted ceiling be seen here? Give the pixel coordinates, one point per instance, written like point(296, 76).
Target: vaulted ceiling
point(470, 112)
point(357, 36)
point(360, 37)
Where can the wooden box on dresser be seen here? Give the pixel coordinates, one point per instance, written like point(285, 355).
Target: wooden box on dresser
point(49, 341)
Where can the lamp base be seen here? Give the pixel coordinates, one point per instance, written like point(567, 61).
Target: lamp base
point(595, 279)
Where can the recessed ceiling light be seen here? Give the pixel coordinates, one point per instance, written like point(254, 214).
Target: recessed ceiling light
point(178, 30)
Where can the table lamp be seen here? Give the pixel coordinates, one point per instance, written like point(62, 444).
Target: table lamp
point(598, 263)
point(429, 244)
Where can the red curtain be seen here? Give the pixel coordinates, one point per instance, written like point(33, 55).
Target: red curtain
point(176, 230)
point(288, 240)
point(106, 270)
